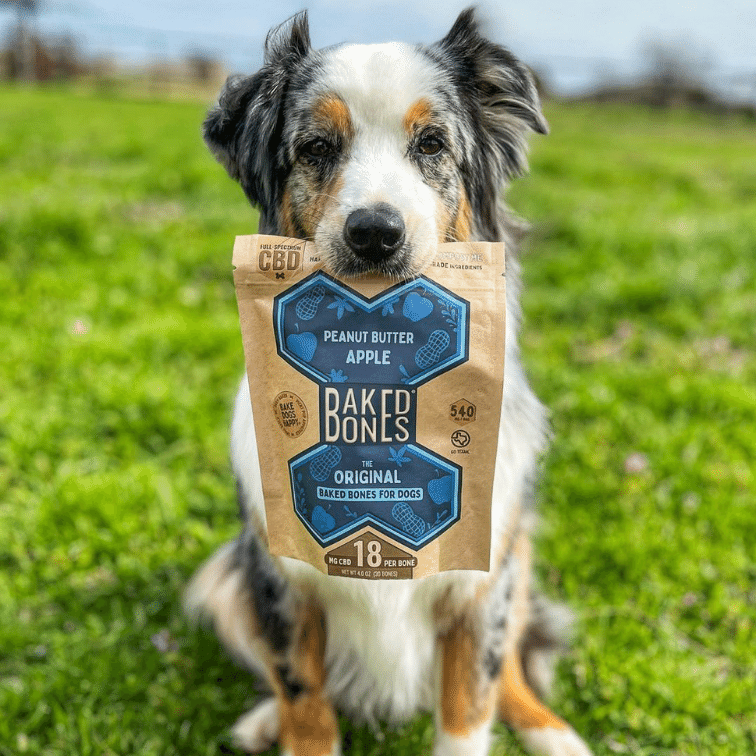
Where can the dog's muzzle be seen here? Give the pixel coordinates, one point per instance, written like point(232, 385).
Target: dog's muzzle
point(374, 233)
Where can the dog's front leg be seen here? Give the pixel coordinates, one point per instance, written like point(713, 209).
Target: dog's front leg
point(466, 693)
point(299, 716)
point(308, 724)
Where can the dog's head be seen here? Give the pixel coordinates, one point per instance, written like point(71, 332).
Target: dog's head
point(377, 152)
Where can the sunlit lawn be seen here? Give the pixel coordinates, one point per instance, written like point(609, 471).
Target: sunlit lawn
point(121, 353)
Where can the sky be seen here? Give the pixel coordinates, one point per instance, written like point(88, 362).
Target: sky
point(575, 43)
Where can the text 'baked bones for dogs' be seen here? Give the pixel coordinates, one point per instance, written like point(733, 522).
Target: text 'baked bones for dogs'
point(380, 405)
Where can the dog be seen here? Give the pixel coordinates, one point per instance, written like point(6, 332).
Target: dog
point(378, 153)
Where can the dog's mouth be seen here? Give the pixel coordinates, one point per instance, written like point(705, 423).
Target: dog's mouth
point(345, 264)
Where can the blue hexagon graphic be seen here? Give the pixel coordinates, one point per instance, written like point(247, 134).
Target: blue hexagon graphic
point(407, 335)
point(368, 357)
point(405, 492)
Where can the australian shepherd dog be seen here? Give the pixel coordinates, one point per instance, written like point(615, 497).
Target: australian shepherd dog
point(378, 153)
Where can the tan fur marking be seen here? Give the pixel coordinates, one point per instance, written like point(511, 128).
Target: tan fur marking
point(418, 116)
point(315, 205)
point(465, 700)
point(463, 221)
point(331, 112)
point(443, 222)
point(308, 726)
point(310, 648)
point(518, 704)
point(320, 203)
point(308, 722)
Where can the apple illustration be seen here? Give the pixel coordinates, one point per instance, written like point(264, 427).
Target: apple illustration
point(416, 307)
point(321, 520)
point(302, 344)
point(440, 489)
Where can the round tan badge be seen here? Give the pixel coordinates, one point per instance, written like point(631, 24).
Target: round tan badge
point(291, 413)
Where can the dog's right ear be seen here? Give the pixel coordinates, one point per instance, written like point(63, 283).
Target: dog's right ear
point(243, 130)
point(499, 88)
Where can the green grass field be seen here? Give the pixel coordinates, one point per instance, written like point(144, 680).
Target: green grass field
point(120, 357)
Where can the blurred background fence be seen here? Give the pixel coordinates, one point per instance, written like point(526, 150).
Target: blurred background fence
point(31, 54)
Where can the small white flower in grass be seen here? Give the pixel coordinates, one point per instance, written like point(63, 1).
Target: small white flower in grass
point(164, 641)
point(79, 328)
point(636, 463)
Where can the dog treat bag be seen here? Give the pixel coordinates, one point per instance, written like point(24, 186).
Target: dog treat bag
point(376, 406)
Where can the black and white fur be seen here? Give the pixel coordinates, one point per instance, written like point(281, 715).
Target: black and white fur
point(422, 139)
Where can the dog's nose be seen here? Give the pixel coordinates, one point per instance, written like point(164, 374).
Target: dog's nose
point(374, 233)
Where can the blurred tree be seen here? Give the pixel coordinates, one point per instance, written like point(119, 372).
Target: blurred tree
point(25, 52)
point(676, 71)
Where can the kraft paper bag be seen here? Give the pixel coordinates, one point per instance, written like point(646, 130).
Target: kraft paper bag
point(376, 406)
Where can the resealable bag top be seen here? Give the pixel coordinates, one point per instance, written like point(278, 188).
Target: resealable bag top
point(376, 406)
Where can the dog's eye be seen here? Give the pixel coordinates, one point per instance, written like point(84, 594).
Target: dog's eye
point(318, 148)
point(430, 145)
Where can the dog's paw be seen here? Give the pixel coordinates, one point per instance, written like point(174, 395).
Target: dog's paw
point(335, 751)
point(552, 741)
point(475, 743)
point(257, 730)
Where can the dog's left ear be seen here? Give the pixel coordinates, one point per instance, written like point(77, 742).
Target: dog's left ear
point(502, 88)
point(243, 130)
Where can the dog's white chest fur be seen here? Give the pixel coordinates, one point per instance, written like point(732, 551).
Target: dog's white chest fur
point(380, 648)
